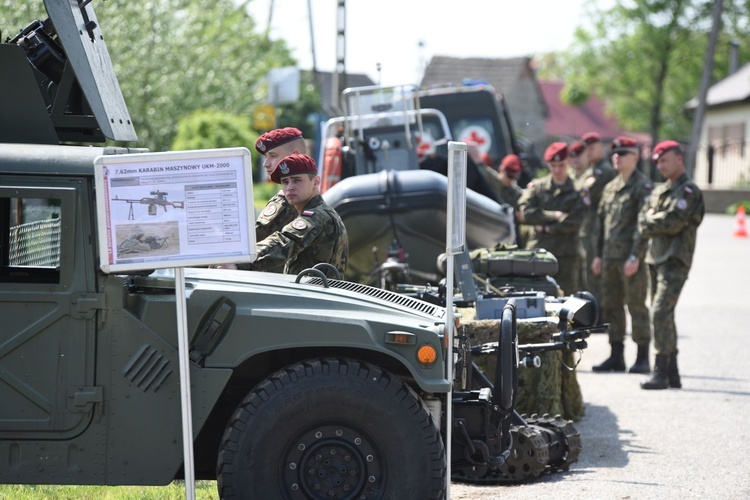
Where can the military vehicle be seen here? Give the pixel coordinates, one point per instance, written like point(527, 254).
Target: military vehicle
point(384, 171)
point(303, 386)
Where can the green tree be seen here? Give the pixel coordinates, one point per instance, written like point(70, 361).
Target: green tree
point(644, 59)
point(210, 128)
point(173, 57)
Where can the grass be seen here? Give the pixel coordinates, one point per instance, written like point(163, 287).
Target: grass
point(204, 490)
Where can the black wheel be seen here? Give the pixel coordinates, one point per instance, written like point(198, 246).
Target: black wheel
point(331, 429)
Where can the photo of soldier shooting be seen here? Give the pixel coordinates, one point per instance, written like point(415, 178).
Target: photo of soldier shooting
point(137, 240)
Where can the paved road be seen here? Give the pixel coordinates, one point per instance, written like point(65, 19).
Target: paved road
point(683, 444)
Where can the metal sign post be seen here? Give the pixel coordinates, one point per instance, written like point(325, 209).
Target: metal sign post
point(455, 236)
point(176, 210)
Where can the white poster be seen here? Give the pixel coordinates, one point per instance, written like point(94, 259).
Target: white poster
point(175, 209)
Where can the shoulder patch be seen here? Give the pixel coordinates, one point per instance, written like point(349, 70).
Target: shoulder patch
point(648, 186)
point(308, 213)
point(688, 190)
point(299, 224)
point(681, 204)
point(270, 210)
point(597, 171)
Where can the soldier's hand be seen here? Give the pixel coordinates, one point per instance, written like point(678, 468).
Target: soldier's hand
point(596, 266)
point(630, 268)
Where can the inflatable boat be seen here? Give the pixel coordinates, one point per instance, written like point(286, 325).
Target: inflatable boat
point(406, 209)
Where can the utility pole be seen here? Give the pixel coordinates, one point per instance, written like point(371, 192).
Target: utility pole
point(339, 78)
point(708, 67)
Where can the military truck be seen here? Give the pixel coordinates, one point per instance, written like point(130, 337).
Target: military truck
point(304, 386)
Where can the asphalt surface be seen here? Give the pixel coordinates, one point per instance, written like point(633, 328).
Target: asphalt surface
point(691, 443)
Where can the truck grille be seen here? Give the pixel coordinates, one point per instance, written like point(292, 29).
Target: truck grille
point(392, 297)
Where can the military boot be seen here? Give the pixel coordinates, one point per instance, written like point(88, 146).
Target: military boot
point(660, 377)
point(615, 362)
point(674, 374)
point(641, 364)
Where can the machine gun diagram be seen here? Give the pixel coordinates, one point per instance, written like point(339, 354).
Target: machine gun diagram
point(158, 198)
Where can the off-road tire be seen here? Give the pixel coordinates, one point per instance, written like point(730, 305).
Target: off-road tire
point(331, 428)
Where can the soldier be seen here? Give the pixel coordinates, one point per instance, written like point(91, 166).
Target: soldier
point(316, 235)
point(619, 251)
point(593, 180)
point(274, 146)
point(507, 176)
point(579, 159)
point(554, 207)
point(508, 173)
point(670, 218)
point(134, 242)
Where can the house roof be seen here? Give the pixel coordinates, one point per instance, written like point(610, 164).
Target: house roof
point(574, 121)
point(502, 74)
point(734, 88)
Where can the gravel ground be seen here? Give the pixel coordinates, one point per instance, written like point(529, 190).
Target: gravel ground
point(671, 444)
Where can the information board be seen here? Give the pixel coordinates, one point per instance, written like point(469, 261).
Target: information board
point(175, 209)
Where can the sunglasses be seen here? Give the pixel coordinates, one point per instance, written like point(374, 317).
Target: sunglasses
point(621, 152)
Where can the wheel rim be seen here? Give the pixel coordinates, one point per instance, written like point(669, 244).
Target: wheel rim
point(333, 461)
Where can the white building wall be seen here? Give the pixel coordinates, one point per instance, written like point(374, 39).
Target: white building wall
point(732, 162)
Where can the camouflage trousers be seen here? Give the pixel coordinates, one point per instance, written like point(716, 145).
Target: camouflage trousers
point(587, 279)
point(567, 274)
point(618, 292)
point(667, 280)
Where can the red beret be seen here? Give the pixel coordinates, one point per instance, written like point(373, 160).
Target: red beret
point(664, 147)
point(276, 138)
point(557, 151)
point(293, 165)
point(576, 149)
point(623, 144)
point(590, 138)
point(511, 164)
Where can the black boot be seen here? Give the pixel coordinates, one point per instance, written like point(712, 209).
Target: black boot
point(615, 362)
point(659, 379)
point(674, 374)
point(641, 364)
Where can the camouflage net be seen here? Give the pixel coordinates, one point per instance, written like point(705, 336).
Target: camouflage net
point(553, 388)
point(35, 244)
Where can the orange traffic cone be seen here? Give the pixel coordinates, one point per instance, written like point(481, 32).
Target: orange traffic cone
point(740, 231)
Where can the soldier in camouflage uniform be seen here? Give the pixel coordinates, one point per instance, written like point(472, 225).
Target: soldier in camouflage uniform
point(671, 219)
point(316, 235)
point(592, 182)
point(619, 252)
point(134, 243)
point(508, 173)
point(274, 146)
point(554, 207)
point(579, 161)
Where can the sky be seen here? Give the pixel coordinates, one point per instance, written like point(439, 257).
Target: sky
point(390, 32)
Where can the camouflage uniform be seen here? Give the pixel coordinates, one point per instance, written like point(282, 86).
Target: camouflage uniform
point(315, 235)
point(672, 226)
point(511, 194)
point(277, 214)
point(537, 204)
point(592, 184)
point(617, 239)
